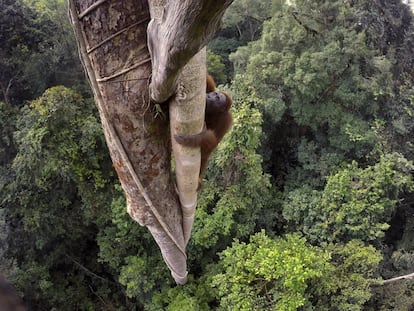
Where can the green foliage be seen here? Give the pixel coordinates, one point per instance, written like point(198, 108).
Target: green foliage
point(195, 295)
point(215, 67)
point(131, 254)
point(269, 274)
point(356, 203)
point(247, 17)
point(353, 269)
point(51, 154)
point(397, 295)
point(117, 238)
point(61, 184)
point(38, 50)
point(8, 115)
point(231, 203)
point(137, 276)
point(320, 152)
point(223, 46)
point(62, 57)
point(319, 60)
point(20, 37)
point(242, 23)
point(288, 274)
point(334, 86)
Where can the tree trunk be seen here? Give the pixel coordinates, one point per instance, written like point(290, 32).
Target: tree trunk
point(181, 29)
point(177, 35)
point(187, 117)
point(112, 38)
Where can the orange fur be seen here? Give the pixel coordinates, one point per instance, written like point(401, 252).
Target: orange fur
point(210, 84)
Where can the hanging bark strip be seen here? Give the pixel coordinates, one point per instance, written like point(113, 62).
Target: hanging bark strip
point(112, 41)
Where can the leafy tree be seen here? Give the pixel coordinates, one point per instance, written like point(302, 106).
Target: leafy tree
point(62, 181)
point(196, 295)
point(397, 295)
point(323, 101)
point(354, 270)
point(288, 274)
point(333, 81)
point(247, 17)
point(62, 57)
point(38, 50)
point(131, 255)
point(242, 23)
point(223, 46)
point(322, 83)
point(8, 115)
point(356, 203)
point(21, 39)
point(268, 274)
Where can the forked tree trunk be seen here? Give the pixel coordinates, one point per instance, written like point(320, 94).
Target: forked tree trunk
point(112, 39)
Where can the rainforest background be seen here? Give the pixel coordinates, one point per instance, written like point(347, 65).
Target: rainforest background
point(308, 203)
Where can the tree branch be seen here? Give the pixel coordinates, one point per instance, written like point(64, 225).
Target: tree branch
point(88, 271)
point(313, 32)
point(398, 278)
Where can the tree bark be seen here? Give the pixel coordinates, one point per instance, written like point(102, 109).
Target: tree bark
point(181, 30)
point(112, 39)
point(113, 45)
point(177, 35)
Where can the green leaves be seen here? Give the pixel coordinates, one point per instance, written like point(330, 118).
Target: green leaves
point(356, 203)
point(62, 183)
point(354, 266)
point(289, 274)
point(215, 67)
point(319, 155)
point(268, 274)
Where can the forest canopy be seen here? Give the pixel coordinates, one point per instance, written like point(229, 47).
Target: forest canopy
point(307, 204)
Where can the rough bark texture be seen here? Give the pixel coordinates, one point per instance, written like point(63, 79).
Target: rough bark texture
point(112, 37)
point(180, 30)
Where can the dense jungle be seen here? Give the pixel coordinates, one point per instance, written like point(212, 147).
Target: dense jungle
point(307, 203)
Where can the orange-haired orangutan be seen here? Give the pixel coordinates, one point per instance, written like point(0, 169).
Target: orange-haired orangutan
point(218, 121)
